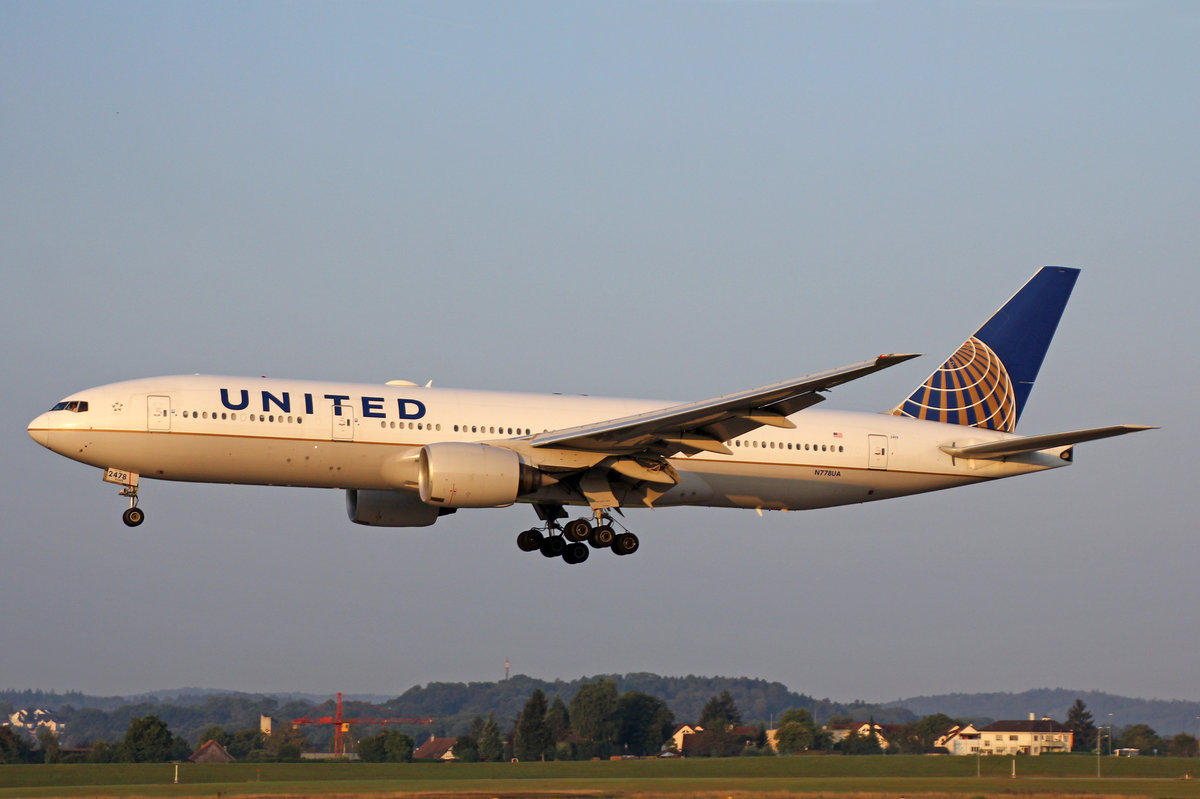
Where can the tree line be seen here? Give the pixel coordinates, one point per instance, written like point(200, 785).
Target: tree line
point(1140, 737)
point(149, 740)
point(598, 721)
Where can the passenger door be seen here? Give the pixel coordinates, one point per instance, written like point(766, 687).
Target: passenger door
point(158, 414)
point(877, 447)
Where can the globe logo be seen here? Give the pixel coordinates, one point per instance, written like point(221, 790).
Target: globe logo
point(971, 388)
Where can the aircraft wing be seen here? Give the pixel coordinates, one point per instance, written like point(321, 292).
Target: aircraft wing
point(998, 450)
point(704, 426)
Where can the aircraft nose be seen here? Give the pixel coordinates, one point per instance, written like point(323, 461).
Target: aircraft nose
point(39, 430)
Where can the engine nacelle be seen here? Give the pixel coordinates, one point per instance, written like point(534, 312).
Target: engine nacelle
point(390, 509)
point(460, 475)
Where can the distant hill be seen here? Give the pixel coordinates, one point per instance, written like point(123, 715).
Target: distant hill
point(759, 701)
point(1167, 717)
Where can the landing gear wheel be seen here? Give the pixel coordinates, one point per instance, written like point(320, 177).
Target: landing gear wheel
point(577, 530)
point(530, 540)
point(602, 536)
point(553, 546)
point(625, 544)
point(575, 553)
point(133, 517)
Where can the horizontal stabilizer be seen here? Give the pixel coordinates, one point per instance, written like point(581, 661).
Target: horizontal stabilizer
point(1018, 446)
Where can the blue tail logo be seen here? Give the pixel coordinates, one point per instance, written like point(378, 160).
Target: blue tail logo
point(987, 381)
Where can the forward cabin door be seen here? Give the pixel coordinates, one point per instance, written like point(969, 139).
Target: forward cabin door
point(343, 422)
point(158, 414)
point(877, 448)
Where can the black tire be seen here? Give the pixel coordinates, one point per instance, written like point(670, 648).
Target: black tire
point(552, 546)
point(577, 530)
point(575, 553)
point(133, 517)
point(602, 536)
point(625, 544)
point(530, 540)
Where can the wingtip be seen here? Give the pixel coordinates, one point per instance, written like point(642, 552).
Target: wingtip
point(897, 357)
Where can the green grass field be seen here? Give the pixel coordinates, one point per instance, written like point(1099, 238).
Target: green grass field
point(895, 776)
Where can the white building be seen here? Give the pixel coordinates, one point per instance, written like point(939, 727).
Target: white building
point(1010, 737)
point(840, 732)
point(30, 721)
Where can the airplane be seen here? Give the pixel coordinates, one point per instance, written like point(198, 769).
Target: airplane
point(407, 455)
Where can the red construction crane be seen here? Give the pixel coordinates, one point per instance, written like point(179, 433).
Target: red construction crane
point(342, 725)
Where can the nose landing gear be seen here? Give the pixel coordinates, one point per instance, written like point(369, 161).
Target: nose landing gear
point(133, 515)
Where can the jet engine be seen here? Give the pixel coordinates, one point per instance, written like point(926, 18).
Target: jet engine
point(461, 475)
point(390, 509)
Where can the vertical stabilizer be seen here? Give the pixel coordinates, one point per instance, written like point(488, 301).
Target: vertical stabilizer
point(987, 381)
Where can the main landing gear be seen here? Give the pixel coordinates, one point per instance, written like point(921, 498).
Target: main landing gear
point(571, 541)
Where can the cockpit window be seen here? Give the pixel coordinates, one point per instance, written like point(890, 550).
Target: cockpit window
point(74, 406)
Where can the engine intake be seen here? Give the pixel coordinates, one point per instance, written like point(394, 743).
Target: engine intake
point(460, 475)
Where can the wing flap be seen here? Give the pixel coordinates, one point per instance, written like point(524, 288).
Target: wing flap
point(997, 450)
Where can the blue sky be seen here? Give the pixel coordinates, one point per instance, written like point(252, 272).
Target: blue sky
point(671, 200)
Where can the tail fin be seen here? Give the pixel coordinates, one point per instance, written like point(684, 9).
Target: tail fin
point(986, 383)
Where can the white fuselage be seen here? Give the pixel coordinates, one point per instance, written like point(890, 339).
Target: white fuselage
point(343, 435)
